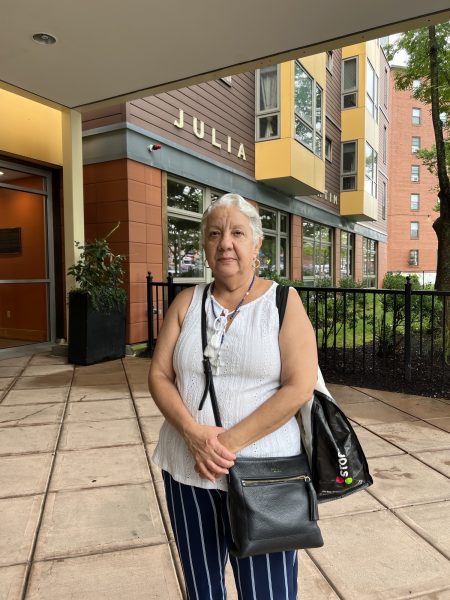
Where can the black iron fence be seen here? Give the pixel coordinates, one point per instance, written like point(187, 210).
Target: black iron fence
point(391, 339)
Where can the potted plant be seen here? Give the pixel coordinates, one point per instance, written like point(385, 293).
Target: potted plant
point(97, 305)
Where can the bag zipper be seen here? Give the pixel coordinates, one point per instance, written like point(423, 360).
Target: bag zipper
point(272, 481)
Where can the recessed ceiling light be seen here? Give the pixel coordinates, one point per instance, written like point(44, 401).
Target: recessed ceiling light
point(44, 38)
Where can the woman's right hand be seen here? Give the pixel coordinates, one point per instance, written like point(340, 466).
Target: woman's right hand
point(212, 459)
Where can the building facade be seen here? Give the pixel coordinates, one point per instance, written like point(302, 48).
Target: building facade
point(412, 193)
point(305, 141)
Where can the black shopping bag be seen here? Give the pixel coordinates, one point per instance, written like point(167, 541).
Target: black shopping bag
point(338, 464)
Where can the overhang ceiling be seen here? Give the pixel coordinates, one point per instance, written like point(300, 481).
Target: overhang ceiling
point(108, 50)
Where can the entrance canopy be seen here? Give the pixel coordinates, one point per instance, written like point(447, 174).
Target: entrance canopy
point(111, 50)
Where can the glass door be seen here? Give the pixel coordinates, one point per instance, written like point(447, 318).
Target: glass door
point(26, 257)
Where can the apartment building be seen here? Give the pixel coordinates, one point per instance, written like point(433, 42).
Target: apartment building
point(412, 246)
point(302, 140)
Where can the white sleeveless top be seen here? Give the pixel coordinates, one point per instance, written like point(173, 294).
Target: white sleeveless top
point(250, 374)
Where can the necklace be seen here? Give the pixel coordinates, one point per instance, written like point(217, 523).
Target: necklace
point(214, 346)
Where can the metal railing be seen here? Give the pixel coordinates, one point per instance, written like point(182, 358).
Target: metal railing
point(363, 335)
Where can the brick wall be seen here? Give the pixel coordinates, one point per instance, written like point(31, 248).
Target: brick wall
point(401, 187)
point(129, 192)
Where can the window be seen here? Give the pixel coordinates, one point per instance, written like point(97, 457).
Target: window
point(414, 230)
point(347, 254)
point(384, 144)
point(316, 252)
point(330, 60)
point(416, 84)
point(349, 167)
point(415, 202)
point(416, 116)
point(413, 258)
point(186, 202)
point(274, 252)
point(372, 91)
point(350, 83)
point(328, 149)
point(369, 262)
point(308, 105)
point(383, 200)
point(267, 103)
point(371, 170)
point(386, 87)
point(415, 173)
point(415, 144)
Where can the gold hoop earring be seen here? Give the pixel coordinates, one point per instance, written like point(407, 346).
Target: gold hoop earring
point(256, 263)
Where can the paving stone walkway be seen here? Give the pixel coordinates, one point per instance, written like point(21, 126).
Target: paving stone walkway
point(82, 513)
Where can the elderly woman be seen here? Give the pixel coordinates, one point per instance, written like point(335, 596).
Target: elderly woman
point(261, 375)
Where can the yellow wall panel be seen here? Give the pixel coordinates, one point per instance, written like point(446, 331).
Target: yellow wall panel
point(352, 122)
point(30, 129)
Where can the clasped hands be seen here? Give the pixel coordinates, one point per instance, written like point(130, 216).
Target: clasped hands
point(212, 458)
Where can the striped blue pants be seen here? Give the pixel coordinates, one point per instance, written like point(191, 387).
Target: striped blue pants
point(201, 527)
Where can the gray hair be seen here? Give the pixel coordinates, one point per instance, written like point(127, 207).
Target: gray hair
point(246, 209)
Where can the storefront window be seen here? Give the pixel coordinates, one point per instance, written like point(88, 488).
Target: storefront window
point(316, 252)
point(185, 205)
point(274, 251)
point(347, 256)
point(369, 263)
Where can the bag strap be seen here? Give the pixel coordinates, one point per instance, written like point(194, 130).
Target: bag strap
point(282, 293)
point(209, 383)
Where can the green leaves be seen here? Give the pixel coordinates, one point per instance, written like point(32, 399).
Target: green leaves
point(99, 273)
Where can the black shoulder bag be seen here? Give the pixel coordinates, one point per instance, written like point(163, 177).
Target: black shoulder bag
point(272, 502)
point(338, 464)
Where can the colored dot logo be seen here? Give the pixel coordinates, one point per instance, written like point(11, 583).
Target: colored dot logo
point(347, 480)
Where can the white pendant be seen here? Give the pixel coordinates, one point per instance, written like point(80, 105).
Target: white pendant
point(215, 340)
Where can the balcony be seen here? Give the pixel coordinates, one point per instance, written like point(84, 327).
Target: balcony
point(288, 166)
point(358, 205)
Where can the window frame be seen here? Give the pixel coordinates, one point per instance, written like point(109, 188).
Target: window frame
point(416, 119)
point(413, 262)
point(278, 235)
point(411, 201)
point(367, 253)
point(329, 60)
point(195, 217)
point(413, 177)
point(259, 114)
point(350, 257)
point(317, 243)
point(349, 173)
point(415, 149)
point(349, 91)
point(372, 101)
point(383, 199)
point(329, 155)
point(312, 126)
point(374, 171)
point(412, 235)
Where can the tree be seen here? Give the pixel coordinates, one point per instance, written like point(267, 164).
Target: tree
point(428, 62)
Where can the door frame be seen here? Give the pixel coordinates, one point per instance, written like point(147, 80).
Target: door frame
point(49, 245)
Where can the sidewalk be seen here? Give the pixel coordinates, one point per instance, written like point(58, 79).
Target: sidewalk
point(82, 511)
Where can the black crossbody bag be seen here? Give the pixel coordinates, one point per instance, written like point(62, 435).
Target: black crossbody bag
point(272, 502)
